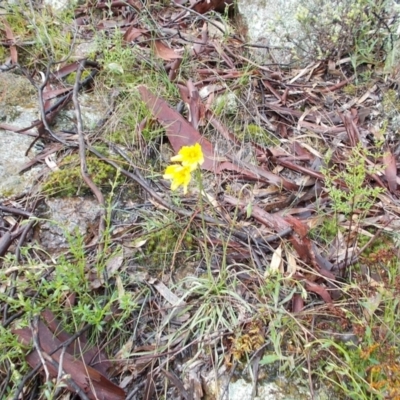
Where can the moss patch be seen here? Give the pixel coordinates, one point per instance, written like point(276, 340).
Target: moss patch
point(67, 181)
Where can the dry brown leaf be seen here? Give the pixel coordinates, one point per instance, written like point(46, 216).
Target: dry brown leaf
point(203, 6)
point(65, 70)
point(270, 220)
point(95, 385)
point(164, 52)
point(11, 39)
point(191, 97)
point(91, 354)
point(389, 162)
point(51, 94)
point(198, 47)
point(291, 263)
point(297, 303)
point(320, 290)
point(132, 33)
point(114, 264)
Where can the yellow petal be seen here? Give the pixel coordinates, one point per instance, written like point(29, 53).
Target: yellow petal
point(191, 156)
point(179, 175)
point(174, 185)
point(171, 171)
point(176, 158)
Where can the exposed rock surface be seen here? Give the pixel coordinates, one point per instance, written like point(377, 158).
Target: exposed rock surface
point(268, 23)
point(67, 216)
point(297, 31)
point(18, 107)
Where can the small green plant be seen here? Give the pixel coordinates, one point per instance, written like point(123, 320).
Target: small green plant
point(216, 303)
point(117, 60)
point(76, 290)
point(12, 358)
point(165, 242)
point(48, 34)
point(345, 28)
point(370, 370)
point(347, 189)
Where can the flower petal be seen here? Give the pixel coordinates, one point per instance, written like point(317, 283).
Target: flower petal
point(176, 158)
point(179, 175)
point(191, 156)
point(171, 171)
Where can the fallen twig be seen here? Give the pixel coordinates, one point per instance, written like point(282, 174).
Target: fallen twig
point(82, 149)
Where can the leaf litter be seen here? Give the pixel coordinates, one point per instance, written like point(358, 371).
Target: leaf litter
point(271, 192)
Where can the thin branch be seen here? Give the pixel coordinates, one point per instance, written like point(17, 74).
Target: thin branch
point(82, 155)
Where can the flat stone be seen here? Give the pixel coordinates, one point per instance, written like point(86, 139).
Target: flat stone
point(67, 217)
point(18, 107)
point(301, 31)
point(268, 24)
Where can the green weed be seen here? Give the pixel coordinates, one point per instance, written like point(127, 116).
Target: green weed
point(346, 28)
point(48, 35)
point(369, 370)
point(355, 198)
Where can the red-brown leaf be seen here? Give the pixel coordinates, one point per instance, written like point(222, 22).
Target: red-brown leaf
point(204, 6)
point(95, 385)
point(274, 221)
point(179, 131)
point(11, 39)
point(389, 161)
point(133, 33)
point(92, 355)
point(51, 94)
point(297, 303)
point(66, 70)
point(164, 52)
point(319, 290)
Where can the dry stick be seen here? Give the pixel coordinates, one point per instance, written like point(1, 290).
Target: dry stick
point(7, 380)
point(62, 101)
point(40, 90)
point(60, 370)
point(35, 338)
point(310, 382)
point(5, 243)
point(180, 239)
point(67, 378)
point(230, 376)
point(254, 64)
point(21, 241)
point(13, 317)
point(13, 210)
point(352, 208)
point(82, 156)
point(201, 16)
point(43, 111)
point(140, 180)
point(256, 367)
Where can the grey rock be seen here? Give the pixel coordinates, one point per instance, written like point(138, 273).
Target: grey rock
point(301, 31)
point(18, 107)
point(66, 217)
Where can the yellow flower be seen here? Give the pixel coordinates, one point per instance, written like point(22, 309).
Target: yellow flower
point(190, 156)
point(179, 175)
